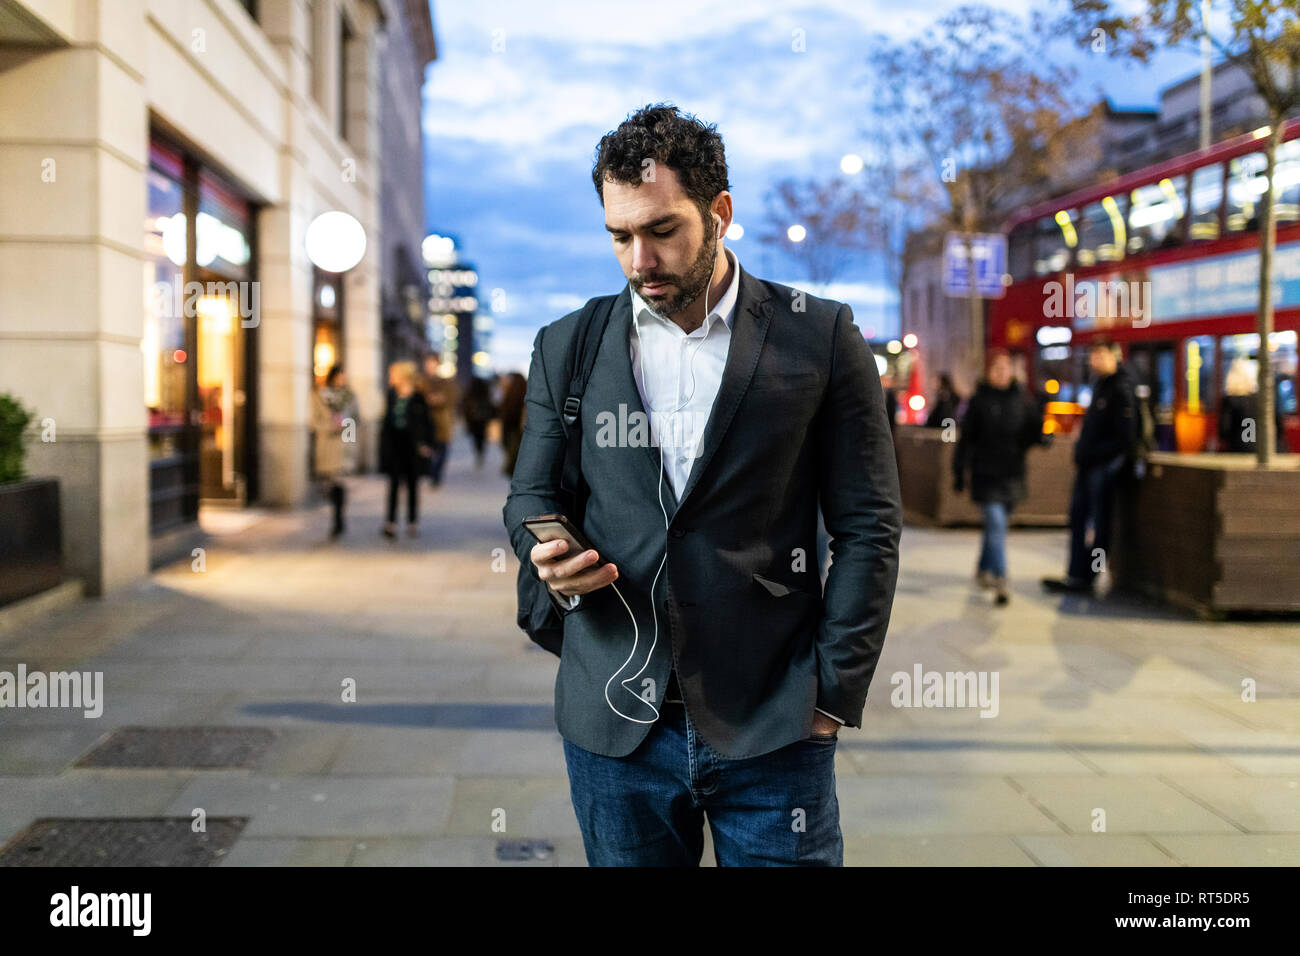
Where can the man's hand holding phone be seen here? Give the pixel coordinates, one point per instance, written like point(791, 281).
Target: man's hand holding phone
point(569, 574)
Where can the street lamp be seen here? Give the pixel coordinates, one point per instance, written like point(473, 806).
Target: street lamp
point(796, 233)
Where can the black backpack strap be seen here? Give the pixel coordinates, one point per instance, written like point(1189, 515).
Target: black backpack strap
point(581, 360)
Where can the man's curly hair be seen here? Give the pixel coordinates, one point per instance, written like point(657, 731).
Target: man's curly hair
point(674, 140)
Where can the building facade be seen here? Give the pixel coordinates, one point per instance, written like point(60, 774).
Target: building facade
point(162, 161)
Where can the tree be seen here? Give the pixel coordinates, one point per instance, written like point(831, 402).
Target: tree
point(978, 106)
point(838, 221)
point(1262, 37)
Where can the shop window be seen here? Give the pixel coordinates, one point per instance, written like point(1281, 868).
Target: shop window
point(163, 342)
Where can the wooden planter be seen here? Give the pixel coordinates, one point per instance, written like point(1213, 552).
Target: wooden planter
point(31, 538)
point(1213, 533)
point(925, 477)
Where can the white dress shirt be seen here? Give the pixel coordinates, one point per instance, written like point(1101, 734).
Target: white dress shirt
point(678, 375)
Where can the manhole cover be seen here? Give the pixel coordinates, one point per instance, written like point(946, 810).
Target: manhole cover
point(198, 748)
point(142, 842)
point(524, 850)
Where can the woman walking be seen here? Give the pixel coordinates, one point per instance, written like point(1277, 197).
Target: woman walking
point(405, 445)
point(1002, 422)
point(334, 424)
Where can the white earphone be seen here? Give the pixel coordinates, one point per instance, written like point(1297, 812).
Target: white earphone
point(636, 633)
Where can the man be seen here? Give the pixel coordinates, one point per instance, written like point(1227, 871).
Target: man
point(1106, 443)
point(702, 668)
point(442, 395)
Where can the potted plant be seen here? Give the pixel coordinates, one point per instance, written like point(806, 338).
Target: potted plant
point(31, 533)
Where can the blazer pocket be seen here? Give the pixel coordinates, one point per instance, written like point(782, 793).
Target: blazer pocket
point(777, 589)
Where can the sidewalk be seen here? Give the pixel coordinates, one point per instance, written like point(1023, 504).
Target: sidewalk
point(1114, 706)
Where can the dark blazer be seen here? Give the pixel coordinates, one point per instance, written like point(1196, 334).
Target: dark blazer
point(799, 417)
point(398, 449)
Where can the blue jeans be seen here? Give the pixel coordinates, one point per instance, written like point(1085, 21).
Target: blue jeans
point(993, 543)
point(648, 808)
point(1091, 504)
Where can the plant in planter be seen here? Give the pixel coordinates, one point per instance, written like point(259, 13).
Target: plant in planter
point(31, 550)
point(14, 419)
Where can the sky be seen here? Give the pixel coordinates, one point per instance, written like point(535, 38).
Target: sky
point(522, 91)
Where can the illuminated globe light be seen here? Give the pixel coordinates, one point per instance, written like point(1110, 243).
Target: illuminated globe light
point(916, 403)
point(851, 163)
point(735, 231)
point(796, 233)
point(909, 340)
point(894, 347)
point(1051, 386)
point(335, 241)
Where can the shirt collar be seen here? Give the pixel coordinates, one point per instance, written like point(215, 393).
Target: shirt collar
point(724, 308)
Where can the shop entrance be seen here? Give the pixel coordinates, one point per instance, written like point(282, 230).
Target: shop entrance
point(222, 397)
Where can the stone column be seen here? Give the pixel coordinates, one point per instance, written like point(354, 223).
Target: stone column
point(363, 334)
point(284, 346)
point(73, 155)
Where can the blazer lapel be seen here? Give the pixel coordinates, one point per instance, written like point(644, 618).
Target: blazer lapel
point(748, 330)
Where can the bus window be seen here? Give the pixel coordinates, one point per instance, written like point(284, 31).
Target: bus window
point(1286, 182)
point(1055, 237)
point(1155, 215)
point(1206, 198)
point(1101, 233)
point(1245, 186)
point(1020, 252)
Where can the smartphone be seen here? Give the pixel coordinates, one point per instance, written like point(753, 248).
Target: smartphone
point(549, 527)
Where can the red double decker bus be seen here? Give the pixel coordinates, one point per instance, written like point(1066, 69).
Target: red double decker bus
point(1165, 262)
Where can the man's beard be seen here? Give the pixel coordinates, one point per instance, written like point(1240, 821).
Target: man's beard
point(689, 287)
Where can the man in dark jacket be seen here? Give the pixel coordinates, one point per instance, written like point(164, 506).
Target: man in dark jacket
point(704, 671)
point(1002, 422)
point(1105, 446)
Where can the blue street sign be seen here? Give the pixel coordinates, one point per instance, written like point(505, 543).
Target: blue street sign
point(990, 251)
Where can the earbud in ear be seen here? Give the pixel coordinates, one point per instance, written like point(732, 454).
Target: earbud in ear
point(718, 232)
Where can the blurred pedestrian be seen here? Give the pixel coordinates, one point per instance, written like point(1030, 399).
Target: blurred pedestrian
point(1106, 444)
point(513, 390)
point(1238, 421)
point(404, 445)
point(334, 425)
point(443, 397)
point(1002, 422)
point(478, 410)
point(946, 403)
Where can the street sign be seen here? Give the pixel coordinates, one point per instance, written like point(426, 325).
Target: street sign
point(990, 252)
